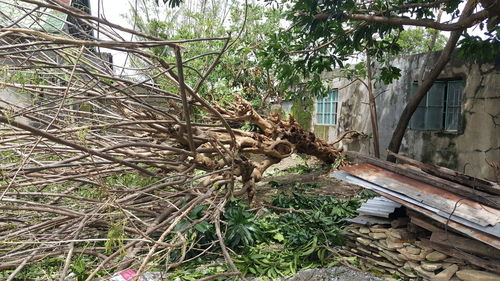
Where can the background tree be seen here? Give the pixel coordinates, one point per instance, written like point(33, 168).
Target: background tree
point(324, 34)
point(239, 70)
point(420, 40)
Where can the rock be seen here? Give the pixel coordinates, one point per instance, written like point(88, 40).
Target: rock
point(364, 250)
point(393, 255)
point(394, 240)
point(364, 241)
point(386, 264)
point(407, 272)
point(400, 233)
point(477, 275)
point(424, 273)
point(378, 235)
point(378, 228)
point(410, 265)
point(436, 256)
point(446, 274)
point(447, 264)
point(431, 266)
point(393, 245)
point(402, 257)
point(409, 256)
point(381, 244)
point(364, 230)
point(391, 258)
point(413, 250)
point(359, 234)
point(394, 233)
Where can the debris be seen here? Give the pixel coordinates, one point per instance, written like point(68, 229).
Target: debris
point(437, 231)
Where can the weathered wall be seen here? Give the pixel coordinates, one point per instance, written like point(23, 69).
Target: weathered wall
point(11, 100)
point(352, 110)
point(465, 150)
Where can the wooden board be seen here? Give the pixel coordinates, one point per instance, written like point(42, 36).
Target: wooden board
point(469, 245)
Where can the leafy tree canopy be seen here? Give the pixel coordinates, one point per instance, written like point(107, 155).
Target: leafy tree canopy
point(239, 70)
point(420, 40)
point(323, 34)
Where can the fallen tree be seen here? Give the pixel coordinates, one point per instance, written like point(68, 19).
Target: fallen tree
point(105, 165)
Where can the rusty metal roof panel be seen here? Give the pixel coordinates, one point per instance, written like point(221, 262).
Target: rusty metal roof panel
point(447, 202)
point(487, 234)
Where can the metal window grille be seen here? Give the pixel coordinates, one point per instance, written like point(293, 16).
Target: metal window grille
point(326, 109)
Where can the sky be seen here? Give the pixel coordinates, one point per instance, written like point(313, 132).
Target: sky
point(116, 10)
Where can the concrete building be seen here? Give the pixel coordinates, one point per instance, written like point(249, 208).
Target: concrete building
point(457, 125)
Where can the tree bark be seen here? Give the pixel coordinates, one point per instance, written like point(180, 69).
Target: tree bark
point(373, 108)
point(460, 25)
point(426, 84)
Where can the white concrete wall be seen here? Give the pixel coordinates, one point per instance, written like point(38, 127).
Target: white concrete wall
point(466, 150)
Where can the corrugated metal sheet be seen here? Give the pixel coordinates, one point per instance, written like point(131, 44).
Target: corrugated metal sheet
point(368, 220)
point(480, 222)
point(378, 207)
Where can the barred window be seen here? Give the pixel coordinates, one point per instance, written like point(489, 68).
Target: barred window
point(326, 109)
point(440, 108)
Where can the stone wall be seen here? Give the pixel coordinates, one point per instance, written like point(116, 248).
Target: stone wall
point(397, 252)
point(466, 150)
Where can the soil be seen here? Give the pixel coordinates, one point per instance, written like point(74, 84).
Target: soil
point(340, 273)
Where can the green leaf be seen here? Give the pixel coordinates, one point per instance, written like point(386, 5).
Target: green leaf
point(279, 237)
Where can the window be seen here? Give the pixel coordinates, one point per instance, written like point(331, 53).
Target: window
point(326, 109)
point(440, 108)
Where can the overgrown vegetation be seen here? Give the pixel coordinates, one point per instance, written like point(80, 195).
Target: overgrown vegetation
point(279, 243)
point(106, 170)
point(265, 242)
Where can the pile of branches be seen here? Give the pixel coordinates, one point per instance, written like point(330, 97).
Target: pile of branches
point(73, 129)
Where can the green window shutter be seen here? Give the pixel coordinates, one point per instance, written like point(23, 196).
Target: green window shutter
point(435, 106)
point(328, 112)
point(334, 105)
point(453, 104)
point(319, 111)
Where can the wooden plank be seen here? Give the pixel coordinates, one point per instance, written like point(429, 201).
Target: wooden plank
point(451, 175)
point(469, 245)
point(456, 188)
point(425, 225)
point(492, 265)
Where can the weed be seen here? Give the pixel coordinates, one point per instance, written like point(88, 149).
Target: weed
point(116, 234)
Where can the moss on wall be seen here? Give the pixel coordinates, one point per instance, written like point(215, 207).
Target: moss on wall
point(302, 112)
point(440, 149)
